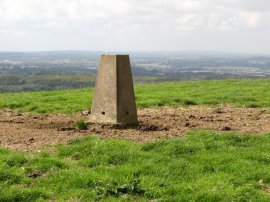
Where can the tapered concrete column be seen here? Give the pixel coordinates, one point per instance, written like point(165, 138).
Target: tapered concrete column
point(114, 99)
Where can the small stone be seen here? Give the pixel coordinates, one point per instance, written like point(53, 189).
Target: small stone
point(86, 112)
point(31, 140)
point(34, 175)
point(226, 128)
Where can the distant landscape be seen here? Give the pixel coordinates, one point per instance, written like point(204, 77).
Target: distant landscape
point(57, 70)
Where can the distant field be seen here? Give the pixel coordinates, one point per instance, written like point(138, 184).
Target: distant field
point(202, 166)
point(250, 93)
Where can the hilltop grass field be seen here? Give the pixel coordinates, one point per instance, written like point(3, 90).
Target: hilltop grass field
point(200, 166)
point(245, 93)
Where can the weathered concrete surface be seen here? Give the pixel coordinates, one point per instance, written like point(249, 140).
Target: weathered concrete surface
point(114, 99)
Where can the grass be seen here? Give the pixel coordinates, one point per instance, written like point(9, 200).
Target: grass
point(202, 166)
point(81, 125)
point(249, 93)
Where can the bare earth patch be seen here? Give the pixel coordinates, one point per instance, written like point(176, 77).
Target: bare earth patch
point(24, 131)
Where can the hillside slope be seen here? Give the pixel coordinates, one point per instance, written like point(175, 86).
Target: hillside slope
point(249, 93)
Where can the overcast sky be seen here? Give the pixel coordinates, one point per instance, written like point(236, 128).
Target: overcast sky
point(135, 25)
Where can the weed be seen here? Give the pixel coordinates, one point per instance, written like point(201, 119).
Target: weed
point(189, 102)
point(81, 125)
point(177, 100)
point(267, 111)
point(253, 105)
point(116, 190)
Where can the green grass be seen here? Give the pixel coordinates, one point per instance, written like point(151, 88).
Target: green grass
point(203, 166)
point(81, 125)
point(66, 101)
point(250, 93)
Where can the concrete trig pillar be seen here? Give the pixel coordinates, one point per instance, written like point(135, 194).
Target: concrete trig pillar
point(114, 99)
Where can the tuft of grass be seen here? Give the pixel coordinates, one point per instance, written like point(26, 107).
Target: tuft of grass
point(81, 125)
point(202, 166)
point(253, 105)
point(189, 102)
point(267, 111)
point(245, 93)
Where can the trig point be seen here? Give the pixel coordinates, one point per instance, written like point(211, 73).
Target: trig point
point(114, 99)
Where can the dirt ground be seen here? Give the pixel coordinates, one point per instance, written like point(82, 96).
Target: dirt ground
point(30, 132)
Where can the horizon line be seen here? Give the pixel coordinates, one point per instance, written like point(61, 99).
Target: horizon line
point(138, 51)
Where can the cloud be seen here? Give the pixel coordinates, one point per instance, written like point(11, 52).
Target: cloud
point(133, 20)
point(250, 18)
point(187, 13)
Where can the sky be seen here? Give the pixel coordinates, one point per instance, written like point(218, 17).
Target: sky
point(135, 25)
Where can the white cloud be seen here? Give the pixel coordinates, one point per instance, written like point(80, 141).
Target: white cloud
point(250, 18)
point(142, 23)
